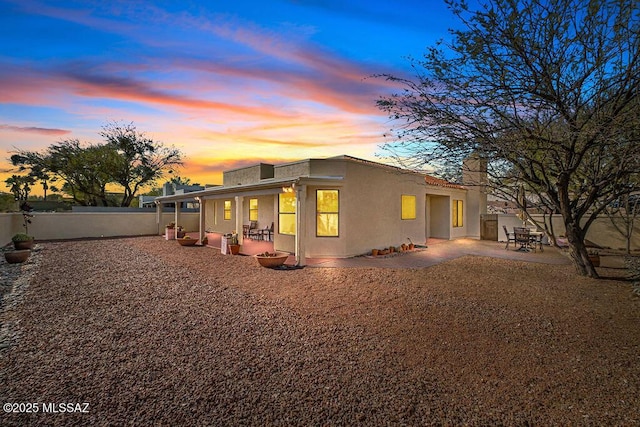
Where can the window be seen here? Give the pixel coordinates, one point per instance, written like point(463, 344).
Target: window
point(327, 213)
point(408, 207)
point(287, 213)
point(457, 213)
point(227, 210)
point(253, 209)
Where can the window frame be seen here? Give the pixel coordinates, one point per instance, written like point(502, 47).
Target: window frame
point(402, 207)
point(457, 213)
point(226, 211)
point(253, 211)
point(281, 212)
point(336, 213)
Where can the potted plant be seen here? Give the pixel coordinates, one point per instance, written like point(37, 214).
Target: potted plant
point(272, 259)
point(232, 241)
point(170, 231)
point(180, 233)
point(17, 256)
point(22, 241)
point(186, 241)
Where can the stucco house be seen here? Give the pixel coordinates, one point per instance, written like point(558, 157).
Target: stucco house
point(340, 206)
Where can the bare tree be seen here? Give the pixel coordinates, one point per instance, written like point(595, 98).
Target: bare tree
point(546, 90)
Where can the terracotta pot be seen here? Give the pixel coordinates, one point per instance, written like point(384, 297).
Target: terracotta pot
point(272, 261)
point(411, 246)
point(187, 242)
point(235, 249)
point(374, 252)
point(26, 244)
point(15, 257)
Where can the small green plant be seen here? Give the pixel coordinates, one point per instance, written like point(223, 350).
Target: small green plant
point(232, 238)
point(26, 209)
point(21, 237)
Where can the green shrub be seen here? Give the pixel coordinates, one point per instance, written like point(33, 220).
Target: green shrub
point(21, 237)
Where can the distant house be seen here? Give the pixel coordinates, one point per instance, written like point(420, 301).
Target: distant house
point(169, 189)
point(340, 206)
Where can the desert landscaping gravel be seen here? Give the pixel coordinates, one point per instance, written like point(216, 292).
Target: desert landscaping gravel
point(150, 333)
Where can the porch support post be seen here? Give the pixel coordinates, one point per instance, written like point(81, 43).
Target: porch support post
point(176, 218)
point(201, 224)
point(239, 221)
point(301, 229)
point(159, 218)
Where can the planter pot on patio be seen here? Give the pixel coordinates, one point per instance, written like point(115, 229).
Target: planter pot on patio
point(169, 233)
point(187, 242)
point(235, 249)
point(274, 259)
point(25, 244)
point(15, 257)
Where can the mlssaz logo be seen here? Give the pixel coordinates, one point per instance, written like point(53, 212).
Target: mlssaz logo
point(62, 408)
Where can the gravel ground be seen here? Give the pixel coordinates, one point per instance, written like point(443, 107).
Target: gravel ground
point(150, 333)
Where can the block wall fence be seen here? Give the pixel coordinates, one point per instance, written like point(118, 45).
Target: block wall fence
point(72, 225)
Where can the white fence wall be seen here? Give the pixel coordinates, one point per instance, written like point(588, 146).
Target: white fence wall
point(601, 232)
point(73, 225)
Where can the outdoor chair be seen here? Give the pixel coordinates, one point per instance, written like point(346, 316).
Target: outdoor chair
point(248, 228)
point(267, 233)
point(510, 237)
point(522, 238)
point(255, 233)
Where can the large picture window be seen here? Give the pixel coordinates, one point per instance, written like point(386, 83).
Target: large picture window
point(327, 213)
point(287, 213)
point(458, 213)
point(227, 210)
point(408, 207)
point(253, 209)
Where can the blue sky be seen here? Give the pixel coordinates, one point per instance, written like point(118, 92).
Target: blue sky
point(228, 82)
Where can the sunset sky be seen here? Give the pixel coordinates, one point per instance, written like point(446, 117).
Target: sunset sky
point(230, 83)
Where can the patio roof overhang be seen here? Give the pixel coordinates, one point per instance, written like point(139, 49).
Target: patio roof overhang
point(266, 186)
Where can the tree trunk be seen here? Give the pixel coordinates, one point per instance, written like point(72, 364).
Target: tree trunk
point(578, 251)
point(573, 230)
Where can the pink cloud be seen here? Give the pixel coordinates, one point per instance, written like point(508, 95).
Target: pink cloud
point(42, 131)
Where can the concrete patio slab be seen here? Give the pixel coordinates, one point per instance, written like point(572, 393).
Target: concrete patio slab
point(439, 251)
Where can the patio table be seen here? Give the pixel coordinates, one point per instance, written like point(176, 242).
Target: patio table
point(536, 239)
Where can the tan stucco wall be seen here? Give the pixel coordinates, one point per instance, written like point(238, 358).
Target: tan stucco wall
point(10, 224)
point(601, 232)
point(370, 210)
point(72, 225)
point(214, 220)
point(248, 175)
point(292, 169)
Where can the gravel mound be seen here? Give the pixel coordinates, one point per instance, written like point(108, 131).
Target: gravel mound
point(150, 333)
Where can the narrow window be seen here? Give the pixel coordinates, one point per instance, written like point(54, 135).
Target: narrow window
point(253, 209)
point(227, 210)
point(408, 207)
point(457, 213)
point(287, 213)
point(327, 213)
